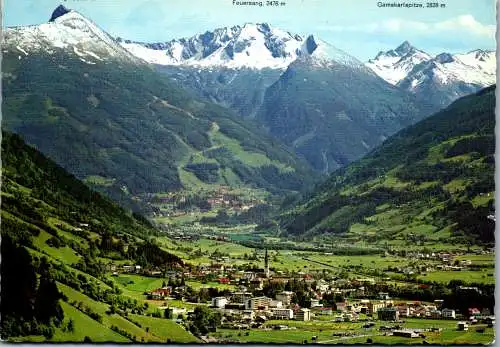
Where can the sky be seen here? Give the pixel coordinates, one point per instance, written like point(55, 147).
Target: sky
point(359, 27)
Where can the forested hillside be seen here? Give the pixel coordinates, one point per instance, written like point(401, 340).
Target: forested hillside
point(126, 130)
point(433, 181)
point(57, 233)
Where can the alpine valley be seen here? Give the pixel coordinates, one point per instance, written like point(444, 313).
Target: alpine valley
point(244, 185)
point(107, 117)
point(327, 105)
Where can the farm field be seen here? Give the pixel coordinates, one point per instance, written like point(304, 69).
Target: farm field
point(324, 331)
point(64, 254)
point(487, 276)
point(478, 259)
point(85, 326)
point(166, 329)
point(108, 320)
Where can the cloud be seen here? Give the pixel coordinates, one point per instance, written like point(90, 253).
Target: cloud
point(469, 23)
point(466, 24)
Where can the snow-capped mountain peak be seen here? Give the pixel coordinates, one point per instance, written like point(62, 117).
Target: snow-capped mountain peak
point(395, 64)
point(404, 48)
point(253, 45)
point(66, 30)
point(407, 63)
point(321, 53)
point(450, 75)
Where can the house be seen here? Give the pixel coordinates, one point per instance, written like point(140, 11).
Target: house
point(285, 297)
point(128, 268)
point(159, 294)
point(341, 306)
point(282, 313)
point(322, 286)
point(219, 302)
point(438, 302)
point(257, 303)
point(383, 296)
point(462, 326)
point(261, 319)
point(153, 273)
point(485, 312)
point(249, 275)
point(374, 306)
point(388, 313)
point(275, 304)
point(465, 289)
point(240, 297)
point(303, 314)
point(256, 283)
point(404, 311)
point(448, 313)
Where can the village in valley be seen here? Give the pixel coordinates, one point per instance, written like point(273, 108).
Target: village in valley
point(315, 304)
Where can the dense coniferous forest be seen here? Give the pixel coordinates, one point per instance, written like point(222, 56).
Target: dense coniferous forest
point(127, 130)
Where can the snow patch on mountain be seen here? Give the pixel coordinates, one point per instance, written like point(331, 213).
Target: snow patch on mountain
point(67, 30)
point(411, 67)
point(394, 65)
point(254, 46)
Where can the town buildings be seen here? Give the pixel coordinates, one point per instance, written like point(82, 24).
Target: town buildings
point(261, 302)
point(285, 297)
point(303, 314)
point(219, 302)
point(448, 313)
point(388, 314)
point(282, 313)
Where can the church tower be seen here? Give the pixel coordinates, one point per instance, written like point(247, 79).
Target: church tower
point(266, 264)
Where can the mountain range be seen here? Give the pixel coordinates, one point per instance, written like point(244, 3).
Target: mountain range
point(262, 46)
point(261, 71)
point(320, 101)
point(107, 117)
point(248, 105)
point(440, 79)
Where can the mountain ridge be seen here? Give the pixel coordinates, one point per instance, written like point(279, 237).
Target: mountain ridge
point(134, 131)
point(433, 179)
point(252, 45)
point(438, 79)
